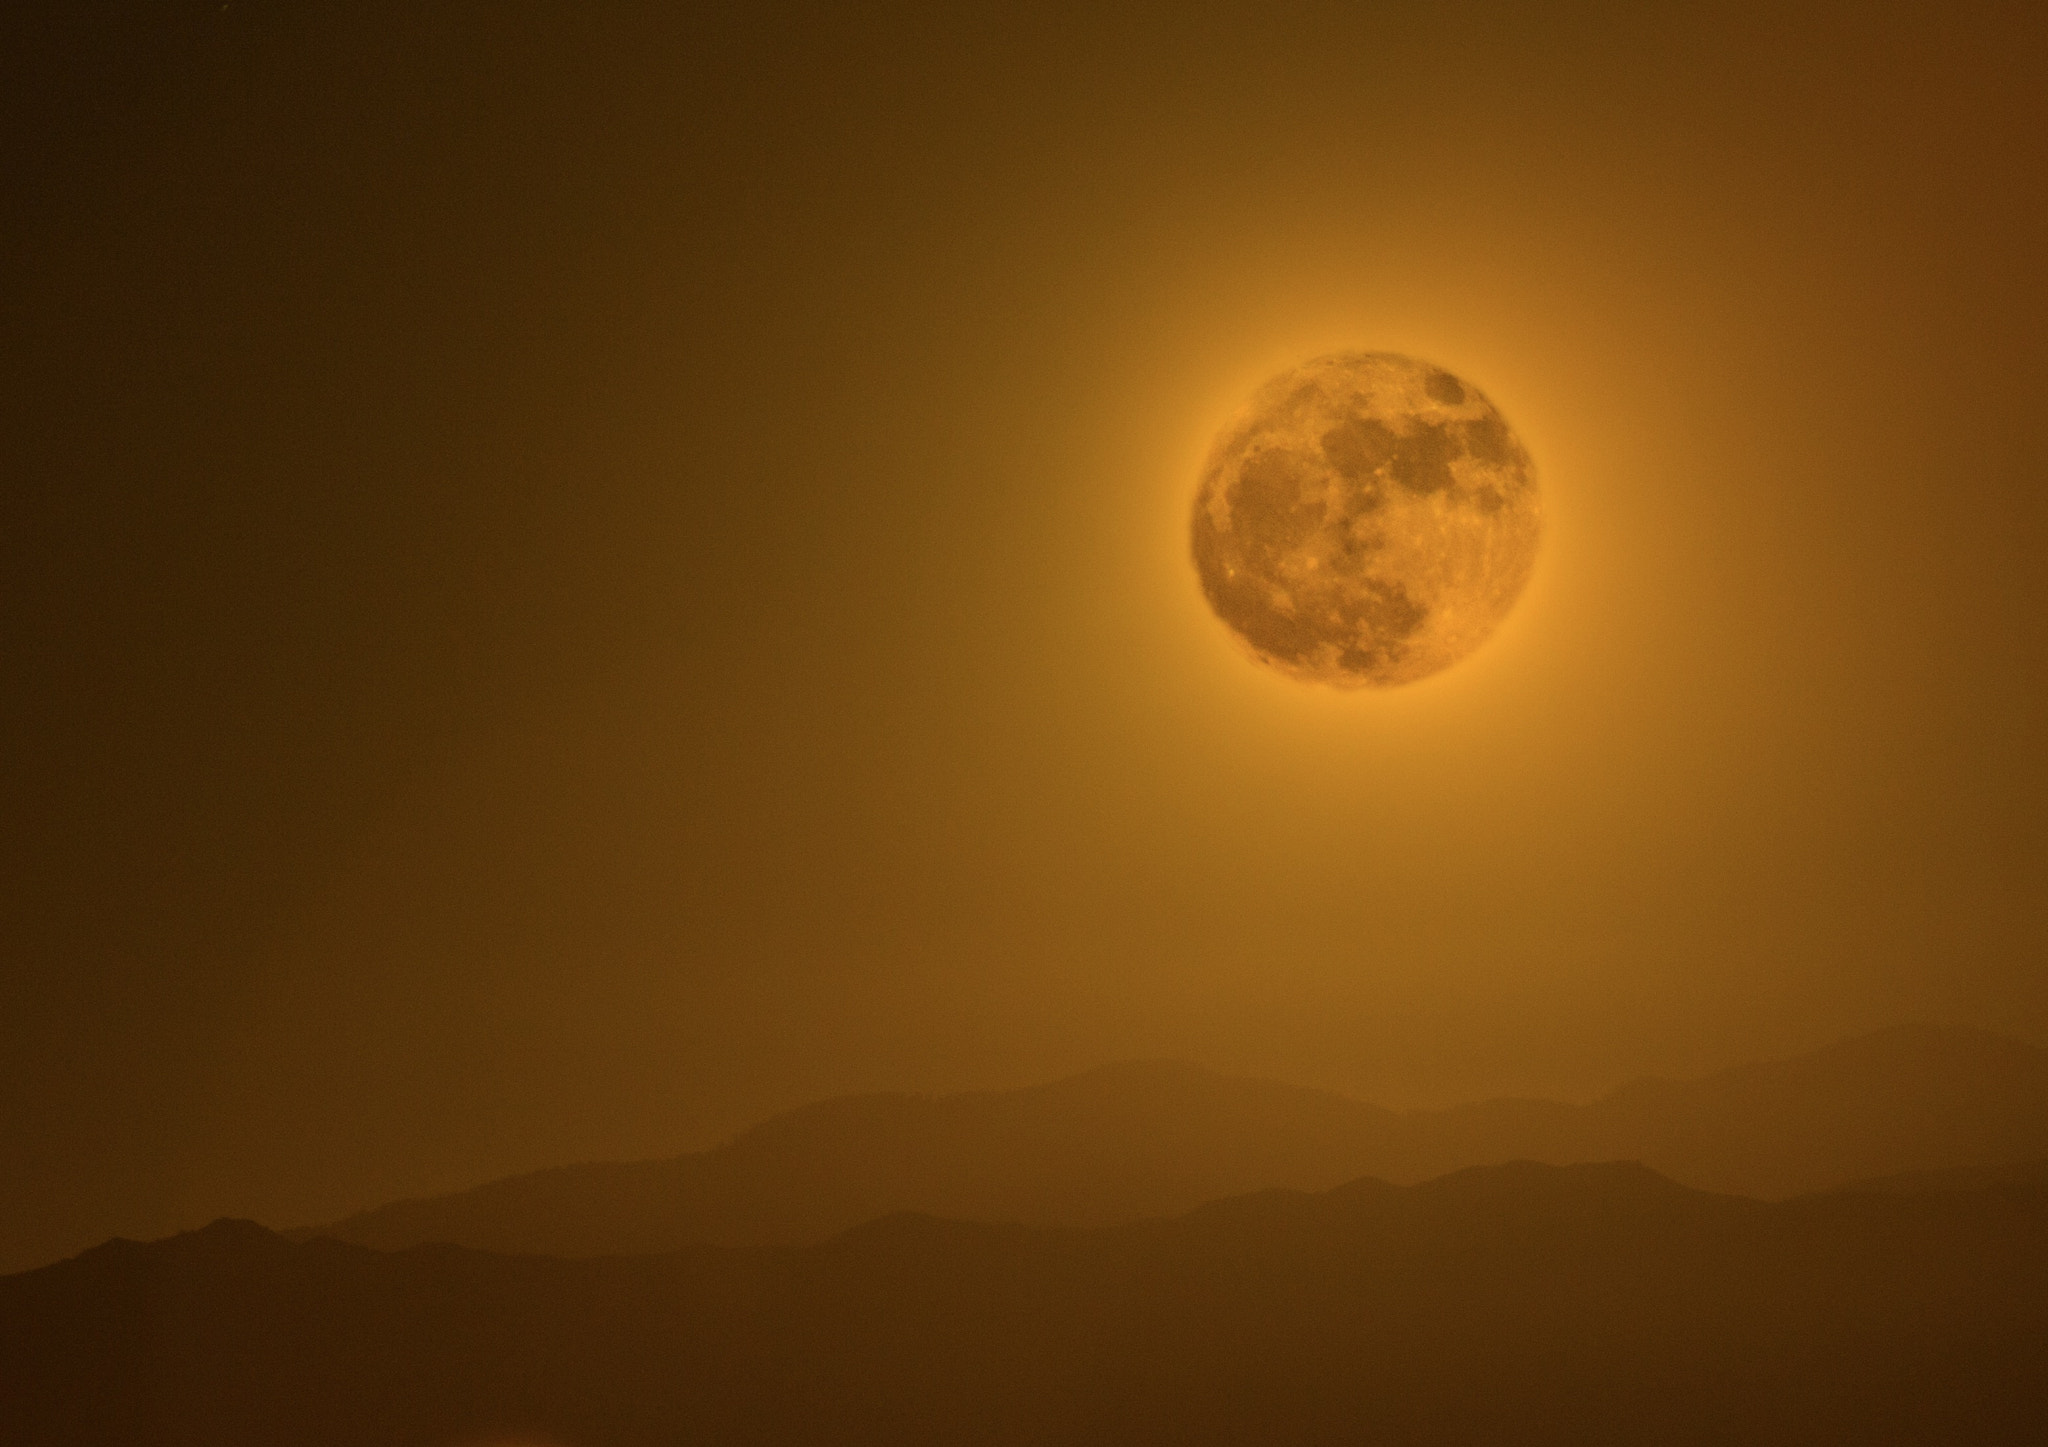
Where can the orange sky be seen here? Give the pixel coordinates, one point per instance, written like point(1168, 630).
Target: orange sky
point(578, 580)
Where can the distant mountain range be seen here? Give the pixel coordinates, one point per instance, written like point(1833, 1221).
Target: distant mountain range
point(1522, 1304)
point(1129, 1142)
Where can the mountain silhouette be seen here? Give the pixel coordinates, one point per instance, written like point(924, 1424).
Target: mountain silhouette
point(1152, 1139)
point(1519, 1303)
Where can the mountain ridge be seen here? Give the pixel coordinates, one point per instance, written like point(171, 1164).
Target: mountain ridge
point(1521, 1302)
point(1151, 1138)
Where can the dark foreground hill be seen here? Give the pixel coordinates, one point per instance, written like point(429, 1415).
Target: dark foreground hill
point(1134, 1141)
point(1520, 1304)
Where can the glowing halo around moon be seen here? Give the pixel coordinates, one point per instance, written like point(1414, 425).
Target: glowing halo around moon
point(1366, 520)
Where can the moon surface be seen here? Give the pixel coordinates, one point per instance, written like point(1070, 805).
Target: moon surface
point(1366, 520)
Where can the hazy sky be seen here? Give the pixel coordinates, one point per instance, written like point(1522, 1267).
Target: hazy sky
point(573, 579)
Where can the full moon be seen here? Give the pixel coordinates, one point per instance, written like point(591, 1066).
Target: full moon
point(1367, 519)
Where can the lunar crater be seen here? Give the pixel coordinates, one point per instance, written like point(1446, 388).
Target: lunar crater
point(1368, 519)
